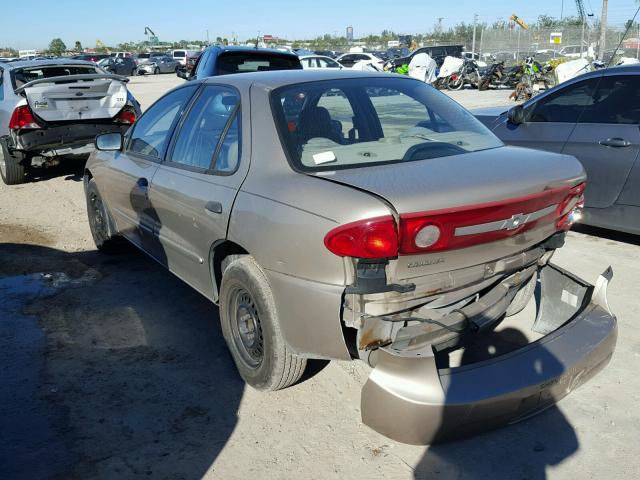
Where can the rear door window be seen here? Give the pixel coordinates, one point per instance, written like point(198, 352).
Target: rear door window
point(208, 138)
point(616, 101)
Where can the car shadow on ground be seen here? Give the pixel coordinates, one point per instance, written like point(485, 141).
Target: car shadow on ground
point(520, 451)
point(113, 368)
point(71, 169)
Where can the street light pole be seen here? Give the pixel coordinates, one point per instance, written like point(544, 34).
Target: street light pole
point(473, 45)
point(603, 30)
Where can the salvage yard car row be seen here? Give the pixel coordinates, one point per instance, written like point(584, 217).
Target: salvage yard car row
point(347, 215)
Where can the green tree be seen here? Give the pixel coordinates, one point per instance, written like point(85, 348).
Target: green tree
point(78, 46)
point(57, 47)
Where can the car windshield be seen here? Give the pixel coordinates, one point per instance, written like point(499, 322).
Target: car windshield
point(242, 62)
point(25, 75)
point(144, 55)
point(353, 123)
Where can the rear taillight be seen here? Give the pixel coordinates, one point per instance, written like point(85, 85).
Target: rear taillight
point(570, 210)
point(22, 119)
point(371, 238)
point(459, 227)
point(127, 116)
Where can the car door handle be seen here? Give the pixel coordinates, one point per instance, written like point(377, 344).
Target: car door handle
point(615, 142)
point(213, 207)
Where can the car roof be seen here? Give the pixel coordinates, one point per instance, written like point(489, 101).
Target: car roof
point(278, 78)
point(633, 69)
point(314, 56)
point(48, 62)
point(236, 48)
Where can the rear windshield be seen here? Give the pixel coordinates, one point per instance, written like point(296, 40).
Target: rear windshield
point(354, 123)
point(180, 53)
point(21, 76)
point(144, 55)
point(242, 62)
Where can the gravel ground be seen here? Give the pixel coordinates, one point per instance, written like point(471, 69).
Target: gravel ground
point(113, 368)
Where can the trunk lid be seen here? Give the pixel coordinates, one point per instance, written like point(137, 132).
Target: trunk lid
point(521, 181)
point(76, 97)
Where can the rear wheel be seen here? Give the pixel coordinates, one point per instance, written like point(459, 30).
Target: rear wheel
point(100, 223)
point(12, 168)
point(251, 327)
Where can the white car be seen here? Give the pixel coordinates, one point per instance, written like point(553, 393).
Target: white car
point(573, 51)
point(314, 62)
point(348, 60)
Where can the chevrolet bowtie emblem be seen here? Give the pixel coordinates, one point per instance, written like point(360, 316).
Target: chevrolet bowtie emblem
point(515, 221)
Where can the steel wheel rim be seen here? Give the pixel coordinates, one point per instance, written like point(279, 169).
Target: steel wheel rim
point(3, 162)
point(98, 223)
point(246, 329)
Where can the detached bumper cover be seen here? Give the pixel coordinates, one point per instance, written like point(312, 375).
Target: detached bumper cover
point(409, 399)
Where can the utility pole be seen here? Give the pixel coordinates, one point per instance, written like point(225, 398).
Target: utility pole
point(473, 45)
point(603, 30)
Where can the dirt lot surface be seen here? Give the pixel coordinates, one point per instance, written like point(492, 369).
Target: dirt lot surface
point(110, 367)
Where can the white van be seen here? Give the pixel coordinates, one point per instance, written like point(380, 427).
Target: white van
point(181, 56)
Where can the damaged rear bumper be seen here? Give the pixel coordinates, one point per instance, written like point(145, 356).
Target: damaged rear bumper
point(60, 137)
point(409, 399)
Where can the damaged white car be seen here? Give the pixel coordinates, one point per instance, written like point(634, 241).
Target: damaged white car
point(53, 109)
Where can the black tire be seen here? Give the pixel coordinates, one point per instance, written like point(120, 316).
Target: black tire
point(12, 167)
point(250, 326)
point(100, 223)
point(523, 296)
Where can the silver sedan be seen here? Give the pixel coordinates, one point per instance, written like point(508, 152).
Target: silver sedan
point(158, 64)
point(350, 215)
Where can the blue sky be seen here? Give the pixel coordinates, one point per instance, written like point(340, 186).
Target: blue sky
point(33, 24)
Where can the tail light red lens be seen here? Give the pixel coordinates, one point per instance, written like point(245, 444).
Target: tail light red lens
point(459, 227)
point(22, 119)
point(570, 210)
point(371, 238)
point(127, 116)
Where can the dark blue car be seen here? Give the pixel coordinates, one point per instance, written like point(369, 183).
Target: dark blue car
point(226, 60)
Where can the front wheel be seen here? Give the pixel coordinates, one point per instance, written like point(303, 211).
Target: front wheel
point(12, 168)
point(251, 327)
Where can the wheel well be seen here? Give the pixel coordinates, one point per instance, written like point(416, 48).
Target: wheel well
point(219, 252)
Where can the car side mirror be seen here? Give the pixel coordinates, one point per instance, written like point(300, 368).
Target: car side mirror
point(109, 142)
point(516, 115)
point(182, 73)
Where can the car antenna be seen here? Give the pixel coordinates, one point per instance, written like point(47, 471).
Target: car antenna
point(630, 24)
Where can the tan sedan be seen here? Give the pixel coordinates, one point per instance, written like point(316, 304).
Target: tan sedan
point(350, 215)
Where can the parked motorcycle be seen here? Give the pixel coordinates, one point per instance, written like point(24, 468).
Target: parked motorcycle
point(536, 73)
point(468, 74)
point(497, 75)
